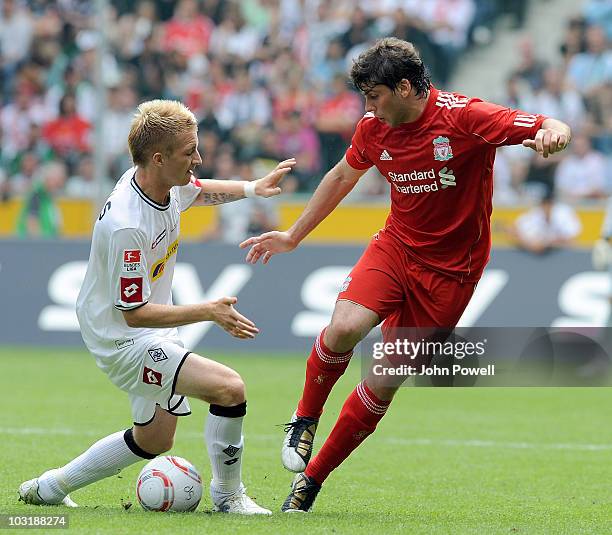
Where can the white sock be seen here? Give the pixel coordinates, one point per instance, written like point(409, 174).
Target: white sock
point(105, 458)
point(224, 441)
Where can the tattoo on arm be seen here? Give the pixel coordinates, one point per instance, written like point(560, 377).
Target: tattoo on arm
point(218, 198)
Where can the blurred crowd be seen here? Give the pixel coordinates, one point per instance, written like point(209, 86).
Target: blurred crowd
point(267, 79)
point(577, 89)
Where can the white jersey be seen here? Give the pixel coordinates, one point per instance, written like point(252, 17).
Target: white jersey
point(133, 253)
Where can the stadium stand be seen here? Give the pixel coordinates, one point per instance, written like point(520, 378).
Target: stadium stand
point(266, 79)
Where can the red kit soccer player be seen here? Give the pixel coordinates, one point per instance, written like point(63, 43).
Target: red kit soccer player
point(436, 149)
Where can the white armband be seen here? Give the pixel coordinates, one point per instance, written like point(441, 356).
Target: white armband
point(249, 189)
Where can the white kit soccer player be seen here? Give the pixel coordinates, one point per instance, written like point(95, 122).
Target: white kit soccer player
point(128, 320)
point(133, 254)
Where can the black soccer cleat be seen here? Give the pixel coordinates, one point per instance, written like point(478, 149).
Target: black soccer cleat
point(297, 446)
point(304, 490)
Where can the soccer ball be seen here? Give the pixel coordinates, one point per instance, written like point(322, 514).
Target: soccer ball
point(169, 484)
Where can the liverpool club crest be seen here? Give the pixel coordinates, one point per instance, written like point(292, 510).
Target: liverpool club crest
point(442, 149)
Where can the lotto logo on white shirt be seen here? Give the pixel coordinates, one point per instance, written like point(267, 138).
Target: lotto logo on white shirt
point(131, 289)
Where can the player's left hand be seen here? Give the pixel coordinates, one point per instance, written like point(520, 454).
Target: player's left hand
point(230, 320)
point(268, 185)
point(268, 244)
point(547, 141)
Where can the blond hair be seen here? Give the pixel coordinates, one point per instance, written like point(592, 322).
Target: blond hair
point(155, 126)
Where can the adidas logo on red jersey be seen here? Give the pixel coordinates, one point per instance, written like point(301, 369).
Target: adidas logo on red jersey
point(384, 155)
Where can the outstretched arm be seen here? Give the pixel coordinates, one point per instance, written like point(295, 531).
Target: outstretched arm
point(223, 191)
point(336, 185)
point(222, 312)
point(552, 137)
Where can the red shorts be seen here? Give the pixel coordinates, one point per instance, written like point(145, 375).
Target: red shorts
point(404, 293)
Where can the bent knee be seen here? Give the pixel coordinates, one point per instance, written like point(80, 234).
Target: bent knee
point(162, 446)
point(342, 334)
point(230, 392)
point(154, 444)
point(233, 392)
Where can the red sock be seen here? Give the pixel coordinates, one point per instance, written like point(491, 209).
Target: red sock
point(359, 416)
point(323, 369)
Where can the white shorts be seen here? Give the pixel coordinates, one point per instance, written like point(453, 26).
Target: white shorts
point(148, 370)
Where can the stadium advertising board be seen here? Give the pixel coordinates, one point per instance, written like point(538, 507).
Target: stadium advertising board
point(291, 298)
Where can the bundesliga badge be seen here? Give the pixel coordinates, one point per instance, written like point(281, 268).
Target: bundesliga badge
point(131, 259)
point(442, 149)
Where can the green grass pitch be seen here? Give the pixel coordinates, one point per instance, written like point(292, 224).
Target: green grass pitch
point(477, 460)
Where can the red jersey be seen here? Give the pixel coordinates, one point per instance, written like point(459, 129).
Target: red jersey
point(440, 168)
point(66, 134)
point(188, 37)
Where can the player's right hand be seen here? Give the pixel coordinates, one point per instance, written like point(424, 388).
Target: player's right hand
point(547, 141)
point(268, 244)
point(229, 319)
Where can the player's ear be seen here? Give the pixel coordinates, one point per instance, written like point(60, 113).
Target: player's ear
point(158, 158)
point(404, 87)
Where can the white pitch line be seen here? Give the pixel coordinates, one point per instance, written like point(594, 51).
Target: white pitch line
point(396, 441)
